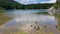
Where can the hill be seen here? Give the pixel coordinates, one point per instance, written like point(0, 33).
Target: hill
point(11, 4)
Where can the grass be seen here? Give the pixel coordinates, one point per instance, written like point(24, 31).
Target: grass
point(57, 17)
point(3, 17)
point(15, 33)
point(38, 32)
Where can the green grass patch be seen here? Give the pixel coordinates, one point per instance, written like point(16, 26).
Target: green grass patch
point(2, 10)
point(14, 33)
point(57, 16)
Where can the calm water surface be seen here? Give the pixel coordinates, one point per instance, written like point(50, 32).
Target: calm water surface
point(21, 17)
point(31, 15)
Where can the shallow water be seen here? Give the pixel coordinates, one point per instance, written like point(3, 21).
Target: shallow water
point(24, 17)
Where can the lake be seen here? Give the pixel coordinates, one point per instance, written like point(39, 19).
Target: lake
point(27, 17)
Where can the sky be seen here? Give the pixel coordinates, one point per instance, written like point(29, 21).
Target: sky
point(35, 1)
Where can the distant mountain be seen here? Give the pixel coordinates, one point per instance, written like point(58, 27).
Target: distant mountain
point(11, 4)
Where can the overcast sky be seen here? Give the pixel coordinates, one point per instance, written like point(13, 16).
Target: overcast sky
point(35, 1)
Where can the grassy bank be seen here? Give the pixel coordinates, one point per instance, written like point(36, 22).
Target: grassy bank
point(3, 17)
point(37, 32)
point(57, 17)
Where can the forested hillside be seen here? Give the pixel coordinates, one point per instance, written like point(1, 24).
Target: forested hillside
point(38, 6)
point(11, 4)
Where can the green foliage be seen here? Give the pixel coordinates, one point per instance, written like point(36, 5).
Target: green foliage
point(38, 6)
point(2, 10)
point(11, 4)
point(57, 4)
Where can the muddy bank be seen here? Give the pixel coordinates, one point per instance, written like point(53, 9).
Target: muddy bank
point(4, 18)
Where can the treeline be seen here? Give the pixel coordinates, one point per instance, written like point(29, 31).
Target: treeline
point(38, 6)
point(57, 4)
point(11, 4)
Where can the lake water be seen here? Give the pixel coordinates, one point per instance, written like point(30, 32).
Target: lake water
point(24, 17)
point(31, 15)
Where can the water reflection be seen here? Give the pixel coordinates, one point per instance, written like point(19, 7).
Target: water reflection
point(27, 18)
